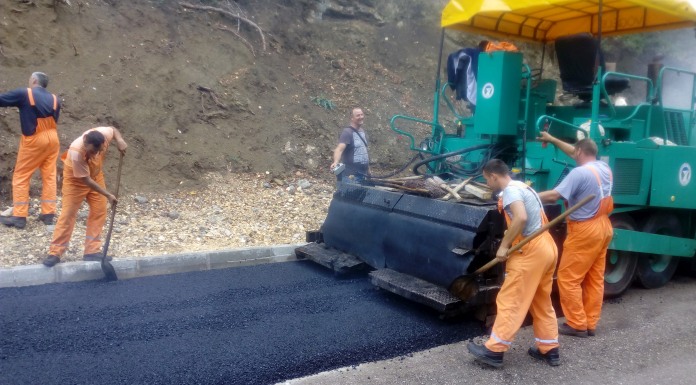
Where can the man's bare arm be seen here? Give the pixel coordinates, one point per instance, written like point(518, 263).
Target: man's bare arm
point(120, 143)
point(337, 154)
point(550, 196)
point(96, 187)
point(567, 148)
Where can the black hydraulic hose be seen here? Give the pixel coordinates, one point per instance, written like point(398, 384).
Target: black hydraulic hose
point(447, 155)
point(405, 166)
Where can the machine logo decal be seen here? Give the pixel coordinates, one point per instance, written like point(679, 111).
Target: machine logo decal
point(488, 90)
point(684, 174)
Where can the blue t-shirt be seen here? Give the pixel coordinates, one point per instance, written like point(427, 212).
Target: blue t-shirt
point(518, 191)
point(43, 107)
point(581, 182)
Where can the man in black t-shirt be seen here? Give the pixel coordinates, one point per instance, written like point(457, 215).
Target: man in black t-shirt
point(352, 149)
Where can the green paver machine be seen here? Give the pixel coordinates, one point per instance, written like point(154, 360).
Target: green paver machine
point(418, 245)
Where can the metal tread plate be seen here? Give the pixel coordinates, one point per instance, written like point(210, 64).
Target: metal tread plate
point(330, 258)
point(416, 289)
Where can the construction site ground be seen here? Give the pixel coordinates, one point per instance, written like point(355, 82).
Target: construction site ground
point(230, 211)
point(645, 337)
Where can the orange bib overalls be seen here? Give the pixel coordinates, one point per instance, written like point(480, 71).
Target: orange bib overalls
point(75, 191)
point(581, 271)
point(37, 151)
point(527, 287)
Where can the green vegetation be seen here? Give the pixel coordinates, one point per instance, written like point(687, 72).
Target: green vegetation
point(321, 101)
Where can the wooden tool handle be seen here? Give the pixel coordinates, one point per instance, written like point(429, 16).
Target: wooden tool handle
point(113, 209)
point(539, 231)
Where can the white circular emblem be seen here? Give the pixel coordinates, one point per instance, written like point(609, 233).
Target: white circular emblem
point(487, 91)
point(684, 174)
point(586, 126)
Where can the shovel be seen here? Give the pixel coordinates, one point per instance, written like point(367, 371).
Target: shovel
point(466, 286)
point(107, 268)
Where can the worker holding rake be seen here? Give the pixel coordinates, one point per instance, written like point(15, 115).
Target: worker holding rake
point(528, 273)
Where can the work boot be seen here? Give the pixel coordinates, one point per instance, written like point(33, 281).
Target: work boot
point(591, 332)
point(565, 329)
point(486, 355)
point(552, 357)
point(95, 257)
point(47, 219)
point(51, 260)
point(18, 222)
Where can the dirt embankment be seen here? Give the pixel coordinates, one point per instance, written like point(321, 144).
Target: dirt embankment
point(194, 91)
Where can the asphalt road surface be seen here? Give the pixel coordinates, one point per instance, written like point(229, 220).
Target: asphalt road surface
point(250, 325)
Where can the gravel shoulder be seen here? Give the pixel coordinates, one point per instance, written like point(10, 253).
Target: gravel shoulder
point(646, 337)
point(232, 210)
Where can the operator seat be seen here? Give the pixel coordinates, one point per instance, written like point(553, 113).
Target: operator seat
point(577, 61)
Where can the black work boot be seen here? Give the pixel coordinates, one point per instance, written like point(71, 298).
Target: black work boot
point(47, 219)
point(567, 330)
point(51, 260)
point(486, 355)
point(95, 257)
point(18, 222)
point(591, 332)
point(552, 357)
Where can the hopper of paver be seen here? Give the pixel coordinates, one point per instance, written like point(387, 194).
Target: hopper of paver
point(416, 245)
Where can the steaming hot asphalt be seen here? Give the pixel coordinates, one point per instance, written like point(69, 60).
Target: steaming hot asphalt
point(250, 325)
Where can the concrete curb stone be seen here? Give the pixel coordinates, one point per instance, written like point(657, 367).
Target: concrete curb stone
point(128, 268)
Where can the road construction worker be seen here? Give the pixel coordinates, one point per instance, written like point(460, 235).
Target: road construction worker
point(581, 270)
point(352, 149)
point(83, 179)
point(528, 273)
point(38, 148)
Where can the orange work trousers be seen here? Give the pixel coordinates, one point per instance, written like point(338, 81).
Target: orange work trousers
point(581, 271)
point(74, 193)
point(36, 151)
point(527, 287)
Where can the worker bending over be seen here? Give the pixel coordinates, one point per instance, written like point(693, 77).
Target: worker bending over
point(528, 273)
point(38, 148)
point(83, 179)
point(581, 270)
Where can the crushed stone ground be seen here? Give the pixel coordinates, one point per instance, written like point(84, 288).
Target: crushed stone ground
point(231, 211)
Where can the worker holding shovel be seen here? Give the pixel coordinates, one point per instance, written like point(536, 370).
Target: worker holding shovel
point(83, 179)
point(528, 273)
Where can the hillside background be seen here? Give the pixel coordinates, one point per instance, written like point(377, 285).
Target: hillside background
point(195, 91)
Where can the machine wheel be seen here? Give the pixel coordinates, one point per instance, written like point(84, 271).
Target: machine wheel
point(656, 270)
point(621, 265)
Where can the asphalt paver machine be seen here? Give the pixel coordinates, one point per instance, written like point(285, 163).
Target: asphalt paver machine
point(416, 246)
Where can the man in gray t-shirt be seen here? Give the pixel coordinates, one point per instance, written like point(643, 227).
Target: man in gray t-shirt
point(581, 270)
point(352, 148)
point(581, 182)
point(528, 274)
point(518, 191)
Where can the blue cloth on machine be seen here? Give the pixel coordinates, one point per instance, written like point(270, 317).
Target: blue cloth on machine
point(462, 69)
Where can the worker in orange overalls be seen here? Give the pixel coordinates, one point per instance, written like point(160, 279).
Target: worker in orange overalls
point(38, 148)
point(581, 270)
point(83, 179)
point(528, 273)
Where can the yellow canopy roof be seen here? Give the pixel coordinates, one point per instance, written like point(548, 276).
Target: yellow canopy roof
point(546, 20)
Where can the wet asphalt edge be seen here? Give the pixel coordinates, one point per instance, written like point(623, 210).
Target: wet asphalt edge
point(127, 268)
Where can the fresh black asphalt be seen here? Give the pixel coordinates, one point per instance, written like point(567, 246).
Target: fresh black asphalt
point(249, 325)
